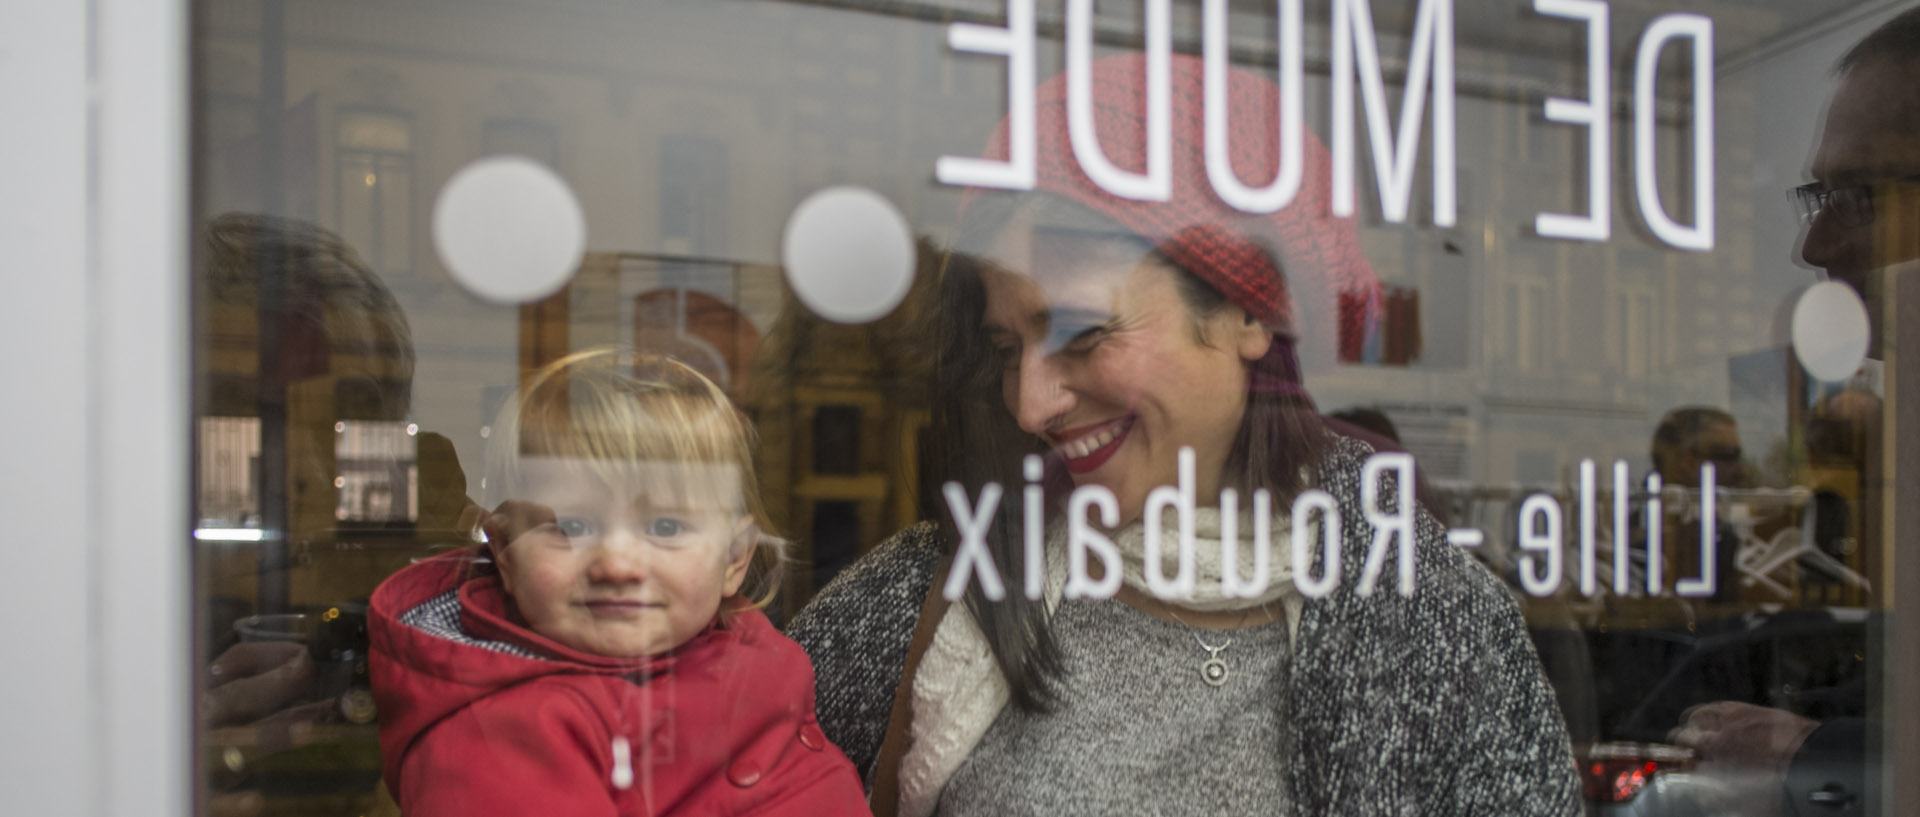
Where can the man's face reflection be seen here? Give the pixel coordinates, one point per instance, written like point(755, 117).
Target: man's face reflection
point(1871, 139)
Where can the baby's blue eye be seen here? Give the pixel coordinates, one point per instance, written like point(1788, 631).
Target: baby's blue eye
point(574, 527)
point(666, 527)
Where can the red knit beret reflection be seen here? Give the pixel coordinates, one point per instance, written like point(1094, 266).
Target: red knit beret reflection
point(1193, 227)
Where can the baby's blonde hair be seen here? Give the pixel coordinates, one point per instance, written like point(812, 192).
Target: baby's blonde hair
point(615, 412)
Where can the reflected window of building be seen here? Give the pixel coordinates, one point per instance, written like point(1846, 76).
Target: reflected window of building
point(836, 440)
point(229, 461)
point(835, 538)
point(1530, 319)
point(692, 197)
point(378, 472)
point(374, 184)
point(533, 139)
point(1639, 335)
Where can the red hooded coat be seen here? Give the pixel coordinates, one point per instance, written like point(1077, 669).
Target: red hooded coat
point(480, 716)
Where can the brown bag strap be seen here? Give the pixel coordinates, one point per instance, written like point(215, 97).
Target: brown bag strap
point(886, 771)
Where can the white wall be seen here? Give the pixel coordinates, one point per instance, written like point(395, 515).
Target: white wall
point(43, 226)
point(93, 352)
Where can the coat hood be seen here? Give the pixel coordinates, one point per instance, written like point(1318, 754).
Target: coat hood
point(445, 649)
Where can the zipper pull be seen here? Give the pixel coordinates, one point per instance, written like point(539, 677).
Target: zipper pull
point(622, 763)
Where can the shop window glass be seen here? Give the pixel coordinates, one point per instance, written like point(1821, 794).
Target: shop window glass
point(979, 335)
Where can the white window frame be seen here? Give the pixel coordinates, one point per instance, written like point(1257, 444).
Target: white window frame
point(95, 594)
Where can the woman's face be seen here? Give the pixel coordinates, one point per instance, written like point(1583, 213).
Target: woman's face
point(1101, 359)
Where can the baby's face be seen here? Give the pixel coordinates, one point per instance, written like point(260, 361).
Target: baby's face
point(626, 566)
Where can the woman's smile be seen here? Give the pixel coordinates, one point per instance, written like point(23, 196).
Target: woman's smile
point(1086, 448)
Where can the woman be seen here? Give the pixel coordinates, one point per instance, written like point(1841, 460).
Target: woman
point(1106, 335)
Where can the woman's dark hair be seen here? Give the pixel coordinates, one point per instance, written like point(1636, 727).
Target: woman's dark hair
point(1280, 435)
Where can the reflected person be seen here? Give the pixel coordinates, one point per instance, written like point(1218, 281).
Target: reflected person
point(1687, 439)
point(335, 318)
point(1861, 208)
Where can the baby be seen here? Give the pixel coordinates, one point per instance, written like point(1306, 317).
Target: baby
point(601, 658)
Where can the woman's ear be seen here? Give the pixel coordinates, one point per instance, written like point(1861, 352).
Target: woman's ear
point(746, 537)
point(1251, 338)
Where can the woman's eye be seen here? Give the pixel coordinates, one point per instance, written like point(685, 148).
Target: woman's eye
point(574, 527)
point(1085, 341)
point(666, 527)
point(1007, 355)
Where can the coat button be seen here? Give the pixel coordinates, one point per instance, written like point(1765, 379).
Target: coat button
point(744, 773)
point(812, 738)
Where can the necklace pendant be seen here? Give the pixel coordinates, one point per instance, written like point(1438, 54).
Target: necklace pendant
point(1214, 672)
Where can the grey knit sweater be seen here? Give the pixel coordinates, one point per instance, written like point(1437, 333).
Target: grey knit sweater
point(1426, 705)
point(1137, 730)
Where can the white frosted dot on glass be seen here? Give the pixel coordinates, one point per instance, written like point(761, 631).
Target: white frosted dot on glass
point(509, 229)
point(1830, 331)
point(848, 254)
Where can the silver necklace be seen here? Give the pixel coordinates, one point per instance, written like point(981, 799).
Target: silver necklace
point(1213, 670)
